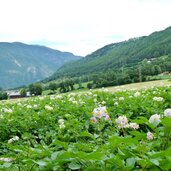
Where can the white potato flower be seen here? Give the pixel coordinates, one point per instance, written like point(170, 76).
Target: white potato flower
point(103, 102)
point(158, 99)
point(15, 138)
point(100, 112)
point(61, 123)
point(116, 103)
point(150, 136)
point(61, 126)
point(7, 110)
point(28, 106)
point(133, 125)
point(122, 122)
point(49, 108)
point(121, 98)
point(167, 112)
point(6, 159)
point(137, 94)
point(155, 119)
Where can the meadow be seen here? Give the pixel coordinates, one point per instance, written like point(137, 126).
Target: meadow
point(127, 130)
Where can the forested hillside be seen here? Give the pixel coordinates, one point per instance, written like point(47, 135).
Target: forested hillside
point(123, 55)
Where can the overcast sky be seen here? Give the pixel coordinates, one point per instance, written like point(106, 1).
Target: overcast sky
point(80, 26)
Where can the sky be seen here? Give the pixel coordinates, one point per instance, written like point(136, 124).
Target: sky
point(80, 26)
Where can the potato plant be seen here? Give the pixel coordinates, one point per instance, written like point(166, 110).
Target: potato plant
point(94, 130)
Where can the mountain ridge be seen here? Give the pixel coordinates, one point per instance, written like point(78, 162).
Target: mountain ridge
point(119, 55)
point(22, 64)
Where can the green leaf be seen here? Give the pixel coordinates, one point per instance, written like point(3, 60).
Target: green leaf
point(95, 156)
point(87, 134)
point(155, 161)
point(166, 122)
point(54, 155)
point(41, 163)
point(26, 135)
point(7, 165)
point(167, 152)
point(140, 120)
point(60, 144)
point(130, 162)
point(74, 166)
point(65, 156)
point(121, 152)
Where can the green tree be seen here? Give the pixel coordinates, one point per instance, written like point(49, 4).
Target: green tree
point(52, 86)
point(35, 89)
point(32, 89)
point(90, 85)
point(157, 69)
point(3, 96)
point(80, 85)
point(23, 92)
point(62, 87)
point(38, 89)
point(71, 84)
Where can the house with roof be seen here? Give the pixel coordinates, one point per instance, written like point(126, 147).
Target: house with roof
point(14, 95)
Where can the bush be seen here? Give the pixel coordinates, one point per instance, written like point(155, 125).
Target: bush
point(90, 85)
point(35, 89)
point(23, 92)
point(53, 86)
point(3, 96)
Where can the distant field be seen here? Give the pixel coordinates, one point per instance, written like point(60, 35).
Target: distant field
point(133, 86)
point(160, 77)
point(138, 86)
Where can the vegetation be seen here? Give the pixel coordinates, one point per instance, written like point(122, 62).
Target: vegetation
point(22, 64)
point(3, 95)
point(23, 92)
point(53, 86)
point(127, 130)
point(35, 89)
point(94, 130)
point(146, 70)
point(121, 63)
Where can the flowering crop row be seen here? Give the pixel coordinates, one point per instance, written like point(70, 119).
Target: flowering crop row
point(128, 130)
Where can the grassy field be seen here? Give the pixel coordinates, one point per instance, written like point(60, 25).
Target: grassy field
point(139, 86)
point(133, 86)
point(160, 77)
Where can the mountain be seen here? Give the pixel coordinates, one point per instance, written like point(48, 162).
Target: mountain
point(22, 64)
point(119, 55)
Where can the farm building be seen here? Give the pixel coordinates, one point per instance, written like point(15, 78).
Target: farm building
point(14, 95)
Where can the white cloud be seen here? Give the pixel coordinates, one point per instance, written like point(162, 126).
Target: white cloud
point(81, 26)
